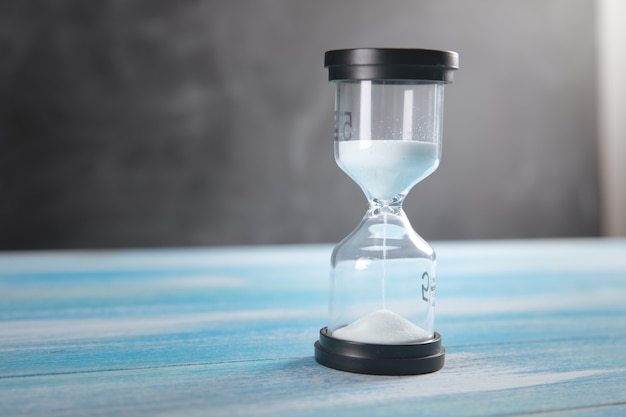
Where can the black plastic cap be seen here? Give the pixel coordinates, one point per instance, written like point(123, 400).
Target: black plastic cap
point(365, 358)
point(391, 64)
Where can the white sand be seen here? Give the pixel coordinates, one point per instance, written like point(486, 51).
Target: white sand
point(387, 168)
point(382, 327)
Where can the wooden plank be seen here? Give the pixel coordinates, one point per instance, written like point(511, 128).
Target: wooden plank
point(494, 380)
point(530, 327)
point(74, 346)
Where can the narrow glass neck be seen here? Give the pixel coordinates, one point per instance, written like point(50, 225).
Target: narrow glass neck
point(383, 207)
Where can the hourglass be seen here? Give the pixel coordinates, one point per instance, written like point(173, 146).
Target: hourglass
point(388, 125)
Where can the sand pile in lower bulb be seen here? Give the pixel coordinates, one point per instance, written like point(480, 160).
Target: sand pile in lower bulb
point(382, 327)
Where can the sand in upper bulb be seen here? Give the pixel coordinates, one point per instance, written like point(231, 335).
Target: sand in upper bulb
point(386, 168)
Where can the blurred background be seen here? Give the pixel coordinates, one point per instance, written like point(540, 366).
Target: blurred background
point(136, 123)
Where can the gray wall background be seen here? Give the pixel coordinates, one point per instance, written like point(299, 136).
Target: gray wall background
point(209, 122)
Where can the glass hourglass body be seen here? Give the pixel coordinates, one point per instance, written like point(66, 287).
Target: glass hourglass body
point(383, 274)
point(388, 128)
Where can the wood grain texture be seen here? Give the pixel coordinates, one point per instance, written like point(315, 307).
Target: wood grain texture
point(533, 327)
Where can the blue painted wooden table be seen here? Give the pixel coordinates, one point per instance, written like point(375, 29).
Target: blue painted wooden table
point(531, 328)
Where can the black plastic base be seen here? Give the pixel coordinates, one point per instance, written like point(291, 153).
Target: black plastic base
point(365, 358)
